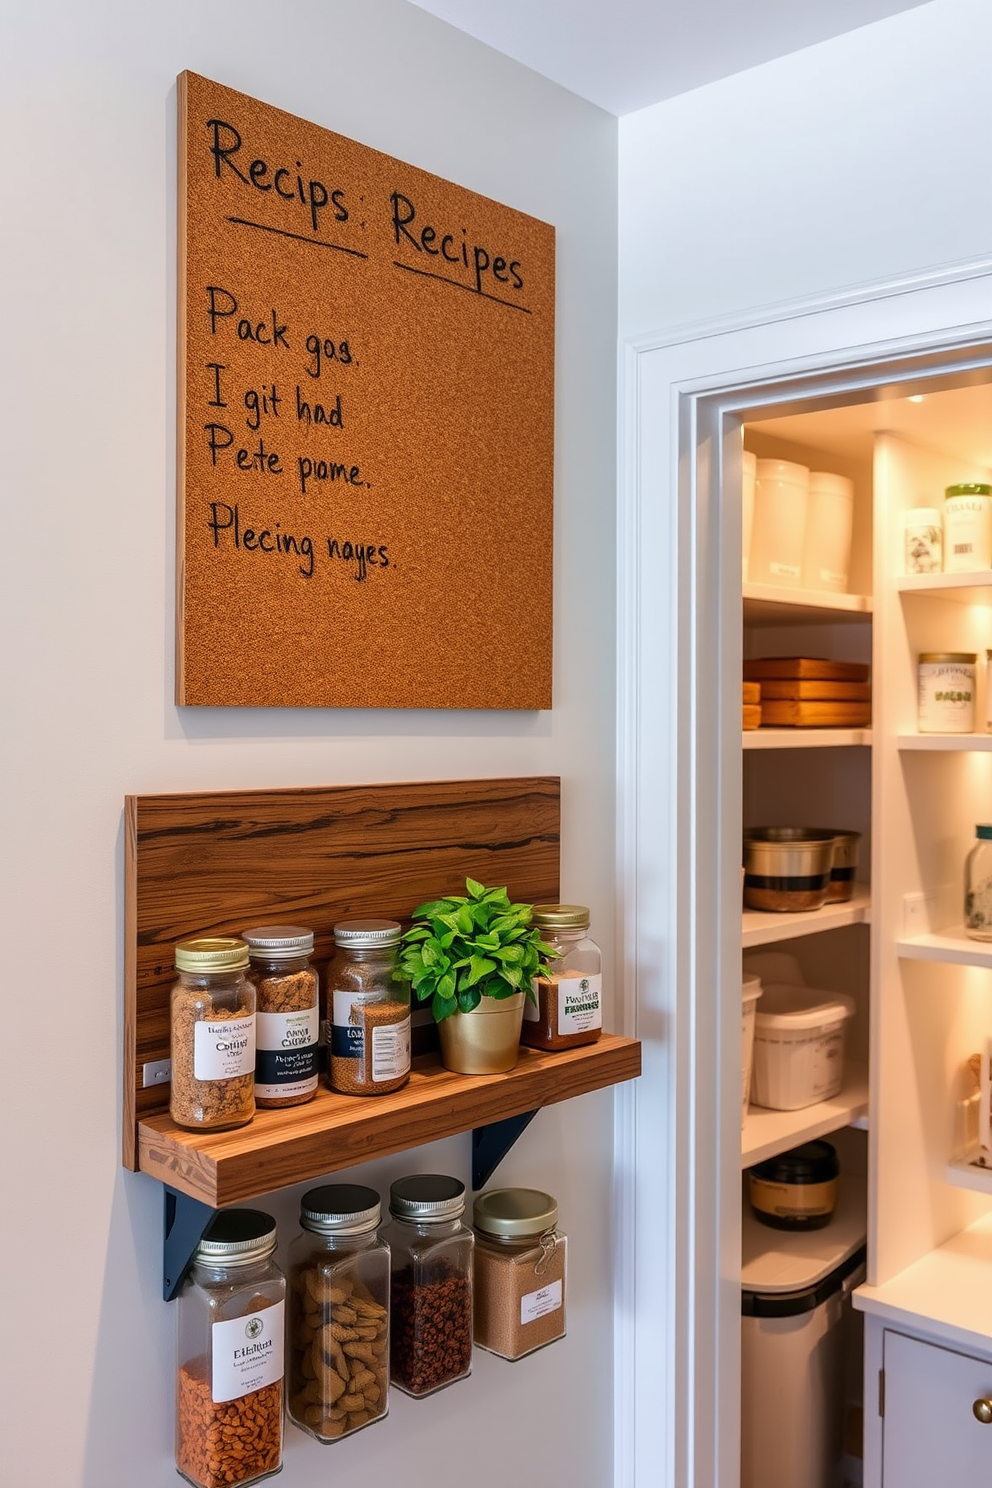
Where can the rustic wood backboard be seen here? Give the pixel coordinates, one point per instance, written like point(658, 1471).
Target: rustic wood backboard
point(218, 863)
point(366, 424)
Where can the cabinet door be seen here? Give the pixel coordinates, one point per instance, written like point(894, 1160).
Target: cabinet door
point(929, 1435)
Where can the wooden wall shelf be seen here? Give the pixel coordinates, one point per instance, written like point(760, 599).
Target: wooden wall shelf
point(334, 1131)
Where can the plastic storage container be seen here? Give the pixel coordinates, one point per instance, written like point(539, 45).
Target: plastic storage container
point(750, 992)
point(799, 1036)
point(778, 533)
point(798, 1337)
point(829, 525)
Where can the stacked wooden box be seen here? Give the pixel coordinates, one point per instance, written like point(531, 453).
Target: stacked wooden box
point(809, 692)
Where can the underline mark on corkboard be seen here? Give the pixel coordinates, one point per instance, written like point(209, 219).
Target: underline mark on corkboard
point(297, 237)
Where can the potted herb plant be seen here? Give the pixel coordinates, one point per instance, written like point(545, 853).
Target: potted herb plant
point(473, 957)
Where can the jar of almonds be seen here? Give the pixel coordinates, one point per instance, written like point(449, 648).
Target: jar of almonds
point(339, 1313)
point(213, 1036)
point(287, 1022)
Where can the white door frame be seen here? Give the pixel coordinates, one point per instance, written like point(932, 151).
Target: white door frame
point(682, 399)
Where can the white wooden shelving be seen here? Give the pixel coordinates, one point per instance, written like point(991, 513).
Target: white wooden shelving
point(802, 738)
point(945, 743)
point(951, 946)
point(766, 1132)
point(759, 928)
point(949, 1289)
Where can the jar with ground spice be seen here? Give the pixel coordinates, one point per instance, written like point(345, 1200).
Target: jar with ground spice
point(230, 1334)
point(368, 1009)
point(287, 1020)
point(338, 1313)
point(519, 1272)
point(431, 1317)
point(213, 1036)
point(569, 1007)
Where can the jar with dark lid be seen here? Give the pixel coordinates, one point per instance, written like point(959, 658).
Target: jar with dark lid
point(338, 1313)
point(367, 1009)
point(431, 1310)
point(568, 1011)
point(287, 1019)
point(519, 1271)
point(230, 1347)
point(212, 1016)
point(797, 1190)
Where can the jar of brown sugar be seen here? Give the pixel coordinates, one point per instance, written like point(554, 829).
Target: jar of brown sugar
point(519, 1301)
point(213, 1036)
point(368, 1009)
point(569, 1007)
point(431, 1308)
point(338, 1313)
point(287, 1021)
point(230, 1333)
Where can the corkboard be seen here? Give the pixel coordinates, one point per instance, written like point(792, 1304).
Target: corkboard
point(366, 413)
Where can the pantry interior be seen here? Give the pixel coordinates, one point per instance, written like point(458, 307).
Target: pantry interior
point(905, 1120)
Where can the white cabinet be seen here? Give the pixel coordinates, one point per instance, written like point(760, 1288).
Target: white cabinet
point(931, 1433)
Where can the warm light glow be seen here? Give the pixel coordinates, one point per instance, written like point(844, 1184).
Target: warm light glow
point(916, 398)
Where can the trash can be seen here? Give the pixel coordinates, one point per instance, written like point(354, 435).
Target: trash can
point(795, 1336)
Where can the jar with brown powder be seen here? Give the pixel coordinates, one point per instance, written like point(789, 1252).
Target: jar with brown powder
point(287, 1021)
point(519, 1299)
point(213, 1036)
point(367, 1009)
point(568, 1011)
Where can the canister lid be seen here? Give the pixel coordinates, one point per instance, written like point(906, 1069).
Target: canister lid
point(212, 953)
point(968, 488)
point(812, 1162)
point(340, 1209)
point(967, 657)
point(782, 470)
point(367, 932)
point(279, 942)
point(428, 1196)
point(515, 1213)
point(236, 1236)
point(984, 831)
point(561, 916)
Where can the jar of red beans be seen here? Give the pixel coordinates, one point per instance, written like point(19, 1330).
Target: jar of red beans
point(431, 1316)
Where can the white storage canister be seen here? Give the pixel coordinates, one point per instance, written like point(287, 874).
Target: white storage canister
point(946, 692)
point(967, 527)
point(923, 540)
point(798, 1046)
point(747, 509)
point(781, 492)
point(829, 524)
point(750, 992)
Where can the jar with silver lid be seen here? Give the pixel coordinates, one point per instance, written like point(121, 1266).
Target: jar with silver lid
point(431, 1306)
point(287, 1020)
point(230, 1351)
point(978, 886)
point(519, 1302)
point(339, 1313)
point(568, 1007)
point(946, 692)
point(212, 1016)
point(367, 1009)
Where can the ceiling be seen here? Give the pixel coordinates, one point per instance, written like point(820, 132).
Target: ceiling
point(626, 54)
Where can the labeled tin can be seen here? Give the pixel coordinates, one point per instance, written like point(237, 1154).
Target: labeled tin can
point(946, 692)
point(968, 527)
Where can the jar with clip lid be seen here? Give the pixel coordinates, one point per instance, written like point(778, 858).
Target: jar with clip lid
point(568, 1007)
point(519, 1271)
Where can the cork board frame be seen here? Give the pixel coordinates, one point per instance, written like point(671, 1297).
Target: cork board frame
point(365, 425)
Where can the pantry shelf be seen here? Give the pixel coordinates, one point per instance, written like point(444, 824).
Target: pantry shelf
point(968, 1172)
point(759, 928)
point(946, 743)
point(766, 1133)
point(961, 588)
point(279, 1148)
point(768, 604)
point(800, 738)
point(951, 945)
point(949, 1289)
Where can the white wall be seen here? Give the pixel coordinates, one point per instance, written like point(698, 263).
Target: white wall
point(88, 475)
point(860, 159)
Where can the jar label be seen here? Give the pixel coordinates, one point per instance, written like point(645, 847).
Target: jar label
point(580, 1002)
point(286, 1053)
point(537, 1304)
point(347, 1029)
point(223, 1049)
point(784, 570)
point(246, 1353)
point(391, 1051)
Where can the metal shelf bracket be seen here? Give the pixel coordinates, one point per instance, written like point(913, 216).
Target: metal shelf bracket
point(491, 1143)
point(185, 1221)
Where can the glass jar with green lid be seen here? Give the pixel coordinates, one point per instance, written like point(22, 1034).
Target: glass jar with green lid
point(967, 527)
point(519, 1299)
point(367, 1009)
point(212, 1016)
point(569, 1007)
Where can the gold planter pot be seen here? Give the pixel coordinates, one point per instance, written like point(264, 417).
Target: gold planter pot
point(486, 1041)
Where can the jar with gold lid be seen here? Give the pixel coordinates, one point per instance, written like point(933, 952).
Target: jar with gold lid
point(212, 1015)
point(519, 1271)
point(568, 1010)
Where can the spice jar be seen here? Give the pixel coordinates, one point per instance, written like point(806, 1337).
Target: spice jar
point(339, 1313)
point(569, 1006)
point(287, 1021)
point(978, 886)
point(946, 702)
point(368, 1007)
point(230, 1331)
point(431, 1308)
point(213, 1036)
point(519, 1302)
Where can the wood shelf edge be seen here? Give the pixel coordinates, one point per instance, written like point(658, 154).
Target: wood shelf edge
point(280, 1148)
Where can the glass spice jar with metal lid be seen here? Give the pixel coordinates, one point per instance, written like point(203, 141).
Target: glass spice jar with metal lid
point(230, 1354)
point(568, 1010)
point(338, 1313)
point(287, 1019)
point(367, 1009)
point(212, 1015)
point(431, 1308)
point(519, 1268)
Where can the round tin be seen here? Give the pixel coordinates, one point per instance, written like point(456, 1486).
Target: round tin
point(946, 698)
